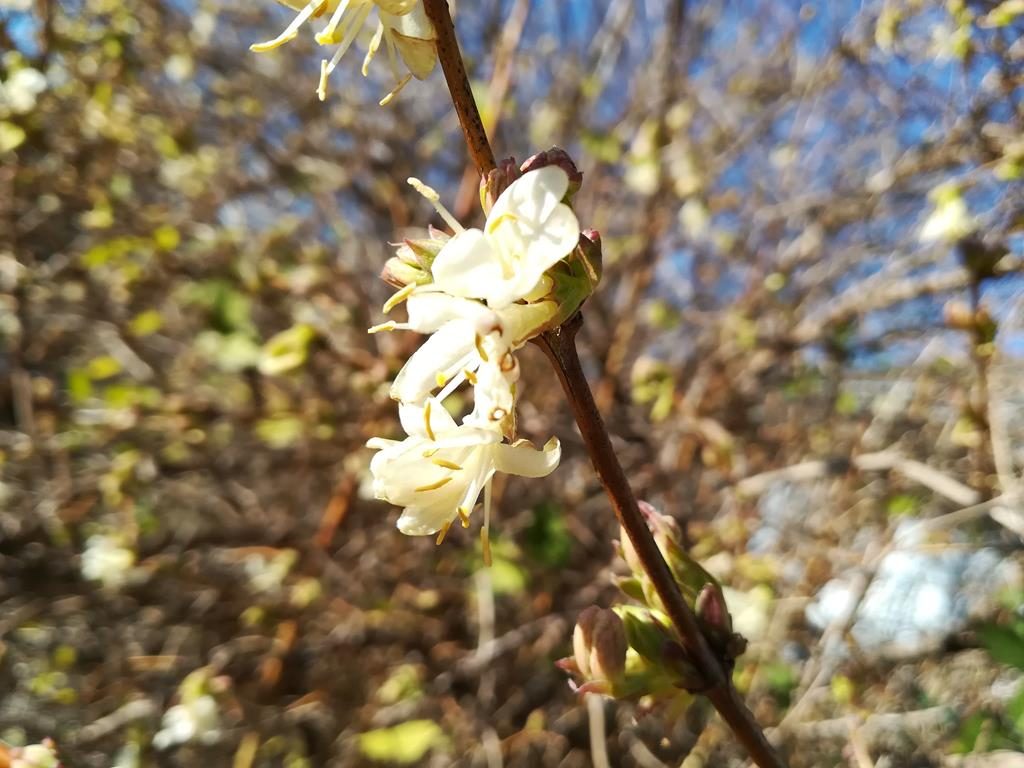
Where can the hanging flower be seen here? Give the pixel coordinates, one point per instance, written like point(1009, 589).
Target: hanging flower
point(439, 470)
point(470, 342)
point(529, 229)
point(402, 27)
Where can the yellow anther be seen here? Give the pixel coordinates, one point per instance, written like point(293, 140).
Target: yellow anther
point(390, 325)
point(485, 544)
point(429, 453)
point(426, 421)
point(401, 295)
point(479, 342)
point(446, 464)
point(497, 222)
point(433, 486)
point(470, 376)
point(444, 532)
point(464, 517)
point(441, 379)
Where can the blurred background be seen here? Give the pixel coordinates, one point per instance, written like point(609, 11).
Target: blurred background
point(807, 345)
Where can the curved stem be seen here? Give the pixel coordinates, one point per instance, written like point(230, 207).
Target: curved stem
point(458, 85)
point(560, 347)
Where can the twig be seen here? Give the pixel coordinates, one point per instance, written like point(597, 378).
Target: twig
point(560, 347)
point(458, 85)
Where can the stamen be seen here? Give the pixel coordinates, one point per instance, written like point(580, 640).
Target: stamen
point(464, 517)
point(479, 343)
point(444, 532)
point(451, 386)
point(321, 88)
point(399, 296)
point(485, 544)
point(433, 486)
point(378, 35)
point(494, 224)
point(394, 92)
point(426, 421)
point(314, 8)
point(485, 531)
point(470, 376)
point(441, 379)
point(430, 453)
point(435, 200)
point(326, 35)
point(446, 464)
point(390, 325)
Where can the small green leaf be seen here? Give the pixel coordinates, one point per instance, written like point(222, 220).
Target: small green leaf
point(280, 431)
point(547, 538)
point(287, 350)
point(1005, 645)
point(406, 743)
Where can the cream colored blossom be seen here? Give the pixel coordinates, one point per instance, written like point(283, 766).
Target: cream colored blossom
point(402, 28)
point(438, 472)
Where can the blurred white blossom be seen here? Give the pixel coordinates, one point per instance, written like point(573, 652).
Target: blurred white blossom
point(107, 560)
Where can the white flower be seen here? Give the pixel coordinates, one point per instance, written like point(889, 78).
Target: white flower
point(469, 342)
point(439, 470)
point(402, 27)
point(529, 229)
point(950, 220)
point(107, 560)
point(194, 720)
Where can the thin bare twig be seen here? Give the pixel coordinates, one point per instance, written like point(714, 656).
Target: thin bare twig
point(560, 347)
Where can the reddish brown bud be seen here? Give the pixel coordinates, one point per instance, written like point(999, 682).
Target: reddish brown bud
point(558, 157)
point(599, 645)
point(497, 181)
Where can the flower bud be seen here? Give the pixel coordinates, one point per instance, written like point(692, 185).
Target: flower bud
point(689, 574)
point(413, 259)
point(399, 273)
point(497, 181)
point(711, 609)
point(599, 646)
point(558, 157)
point(645, 632)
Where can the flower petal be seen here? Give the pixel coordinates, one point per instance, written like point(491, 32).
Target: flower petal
point(445, 353)
point(467, 265)
point(414, 419)
point(524, 460)
point(430, 309)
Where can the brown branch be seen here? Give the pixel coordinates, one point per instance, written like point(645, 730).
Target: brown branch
point(458, 85)
point(560, 347)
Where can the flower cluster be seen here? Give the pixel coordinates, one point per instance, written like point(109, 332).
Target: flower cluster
point(481, 294)
point(633, 650)
point(402, 27)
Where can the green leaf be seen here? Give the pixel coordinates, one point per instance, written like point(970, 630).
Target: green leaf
point(405, 743)
point(902, 505)
point(547, 538)
point(11, 136)
point(969, 733)
point(287, 350)
point(1015, 712)
point(280, 431)
point(1005, 645)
